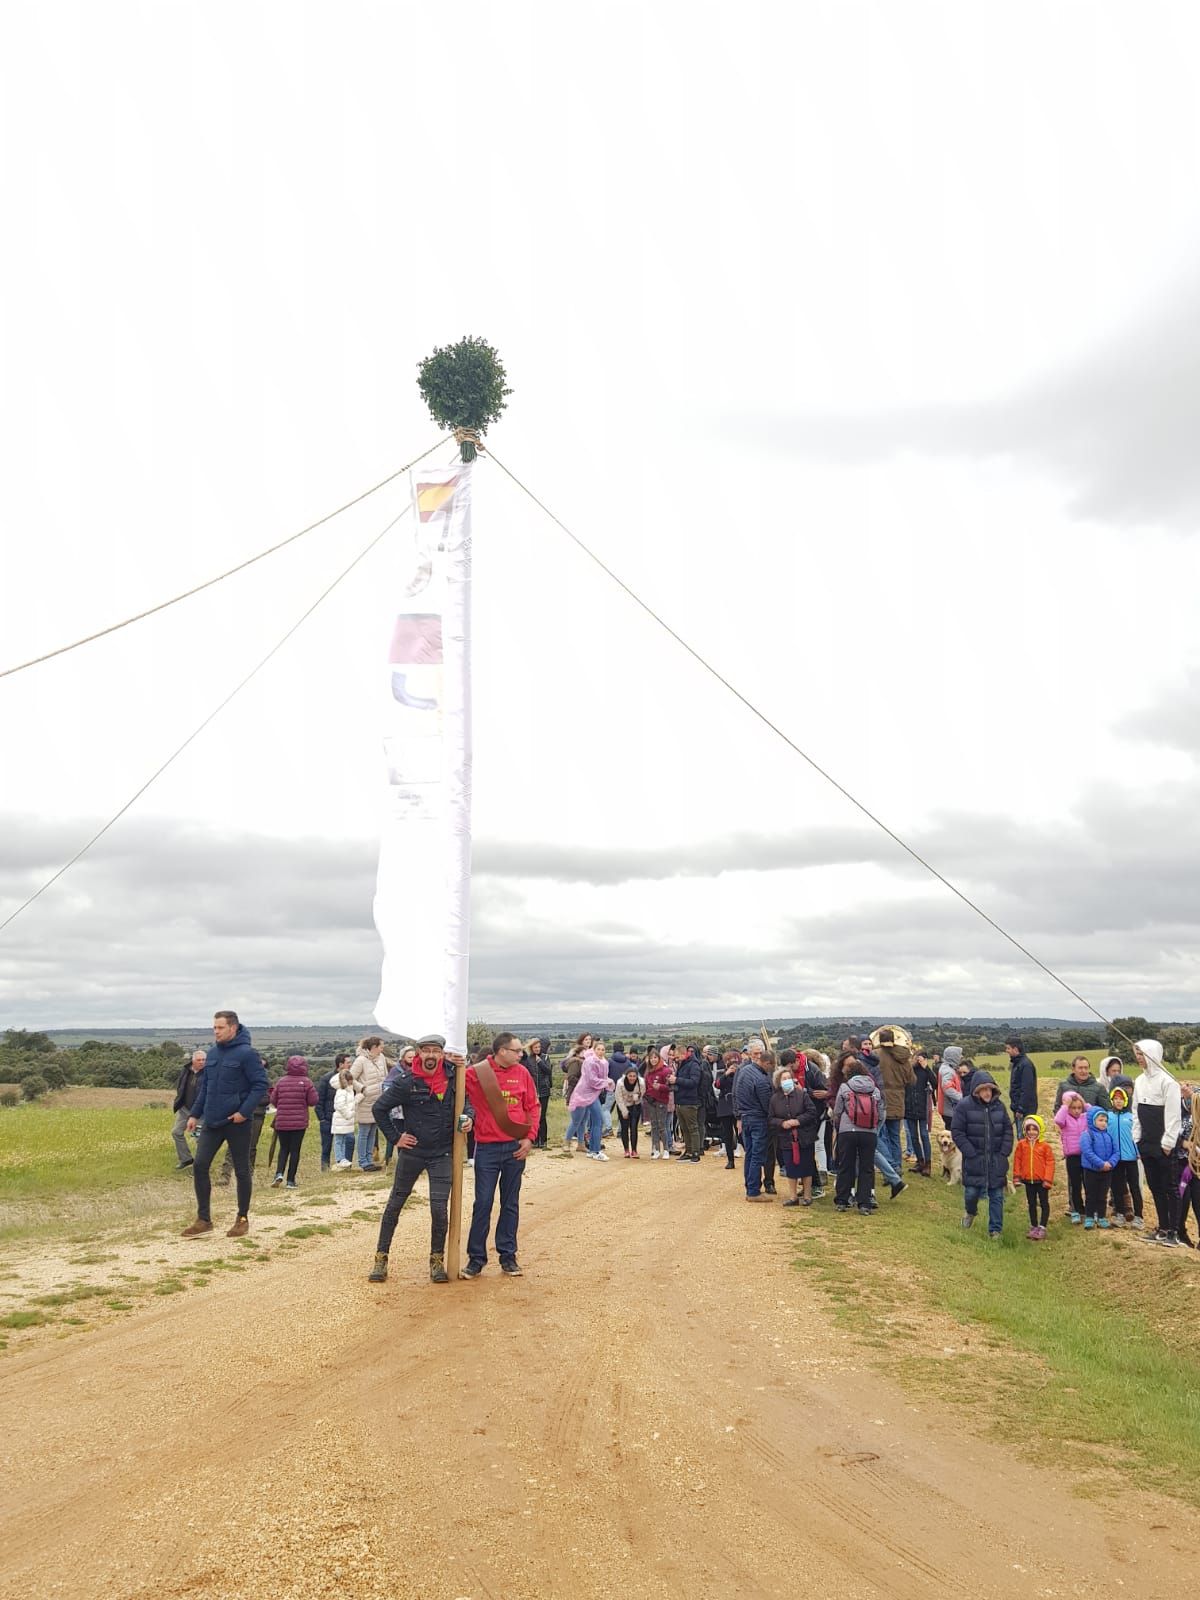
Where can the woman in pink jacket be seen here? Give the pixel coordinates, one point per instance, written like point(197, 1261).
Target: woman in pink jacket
point(291, 1096)
point(1071, 1118)
point(593, 1081)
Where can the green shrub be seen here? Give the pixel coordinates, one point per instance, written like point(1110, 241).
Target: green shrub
point(34, 1087)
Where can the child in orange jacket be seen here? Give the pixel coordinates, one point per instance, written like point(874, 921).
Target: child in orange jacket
point(1033, 1165)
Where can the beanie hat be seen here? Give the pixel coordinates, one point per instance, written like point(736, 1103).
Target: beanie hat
point(1041, 1126)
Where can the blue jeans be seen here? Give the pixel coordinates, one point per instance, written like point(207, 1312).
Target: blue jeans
point(754, 1137)
point(494, 1165)
point(889, 1143)
point(576, 1123)
point(343, 1146)
point(595, 1127)
point(366, 1142)
point(995, 1200)
point(326, 1142)
point(917, 1130)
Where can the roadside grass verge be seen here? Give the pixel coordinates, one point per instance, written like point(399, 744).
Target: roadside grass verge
point(1082, 1343)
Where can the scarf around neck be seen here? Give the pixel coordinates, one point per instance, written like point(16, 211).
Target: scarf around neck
point(434, 1076)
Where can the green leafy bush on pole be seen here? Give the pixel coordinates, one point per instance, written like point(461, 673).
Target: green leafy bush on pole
point(463, 386)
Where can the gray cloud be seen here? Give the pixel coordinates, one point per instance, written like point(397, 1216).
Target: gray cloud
point(1118, 426)
point(1174, 721)
point(166, 920)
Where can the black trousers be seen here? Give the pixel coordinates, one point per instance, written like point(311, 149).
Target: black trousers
point(543, 1122)
point(769, 1165)
point(1075, 1183)
point(1037, 1197)
point(1159, 1169)
point(410, 1164)
point(1127, 1189)
point(728, 1135)
point(1095, 1190)
point(628, 1127)
point(290, 1140)
point(1190, 1200)
point(255, 1125)
point(236, 1137)
point(856, 1167)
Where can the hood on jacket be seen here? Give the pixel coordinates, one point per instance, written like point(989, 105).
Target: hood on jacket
point(242, 1036)
point(980, 1079)
point(545, 1044)
point(1110, 1061)
point(861, 1083)
point(1094, 1113)
point(897, 1052)
point(952, 1056)
point(1153, 1052)
point(1120, 1084)
point(297, 1066)
point(1041, 1126)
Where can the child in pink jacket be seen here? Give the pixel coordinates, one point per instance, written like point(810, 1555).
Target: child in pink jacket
point(1071, 1118)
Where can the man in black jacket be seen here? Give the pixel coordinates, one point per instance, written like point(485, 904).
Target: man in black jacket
point(185, 1096)
point(1022, 1082)
point(326, 1089)
point(688, 1089)
point(426, 1094)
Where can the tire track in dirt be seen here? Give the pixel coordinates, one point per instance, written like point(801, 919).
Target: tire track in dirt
point(636, 1423)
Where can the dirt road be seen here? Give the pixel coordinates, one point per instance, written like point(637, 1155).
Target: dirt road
point(660, 1407)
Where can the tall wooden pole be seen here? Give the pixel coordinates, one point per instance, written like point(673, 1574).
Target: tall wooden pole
point(458, 1156)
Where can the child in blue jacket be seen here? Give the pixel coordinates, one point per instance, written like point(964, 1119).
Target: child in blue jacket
point(1099, 1153)
point(1126, 1183)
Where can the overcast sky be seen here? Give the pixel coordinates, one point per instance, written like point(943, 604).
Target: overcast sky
point(863, 340)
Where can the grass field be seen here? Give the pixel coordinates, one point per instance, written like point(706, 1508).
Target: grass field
point(1081, 1343)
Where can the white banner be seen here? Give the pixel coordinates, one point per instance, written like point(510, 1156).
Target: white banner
point(423, 892)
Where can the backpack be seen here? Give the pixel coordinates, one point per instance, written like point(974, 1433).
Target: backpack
point(860, 1108)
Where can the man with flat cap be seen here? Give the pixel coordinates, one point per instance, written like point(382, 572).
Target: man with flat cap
point(425, 1096)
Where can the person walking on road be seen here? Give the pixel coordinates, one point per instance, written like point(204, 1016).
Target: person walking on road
point(186, 1089)
point(504, 1107)
point(425, 1093)
point(291, 1096)
point(233, 1083)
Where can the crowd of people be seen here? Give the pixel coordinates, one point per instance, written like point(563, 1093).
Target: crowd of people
point(795, 1116)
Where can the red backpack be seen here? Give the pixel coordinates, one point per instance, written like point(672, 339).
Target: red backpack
point(860, 1108)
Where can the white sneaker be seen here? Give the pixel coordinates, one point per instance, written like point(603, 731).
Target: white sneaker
point(666, 1155)
point(654, 1155)
point(342, 1165)
point(600, 1156)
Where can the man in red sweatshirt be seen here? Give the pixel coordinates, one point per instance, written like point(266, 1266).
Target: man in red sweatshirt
point(504, 1104)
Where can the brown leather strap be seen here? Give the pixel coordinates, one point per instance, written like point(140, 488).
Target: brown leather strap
point(486, 1074)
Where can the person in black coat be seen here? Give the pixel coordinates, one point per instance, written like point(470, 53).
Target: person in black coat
point(726, 1112)
point(794, 1118)
point(425, 1093)
point(187, 1087)
point(1022, 1082)
point(537, 1063)
point(982, 1131)
point(919, 1096)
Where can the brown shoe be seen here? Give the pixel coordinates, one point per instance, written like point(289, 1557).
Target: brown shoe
point(437, 1268)
point(197, 1228)
point(240, 1229)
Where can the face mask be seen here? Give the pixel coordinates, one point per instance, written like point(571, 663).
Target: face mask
point(787, 1085)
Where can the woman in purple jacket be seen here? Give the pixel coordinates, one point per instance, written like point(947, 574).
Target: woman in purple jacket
point(291, 1096)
